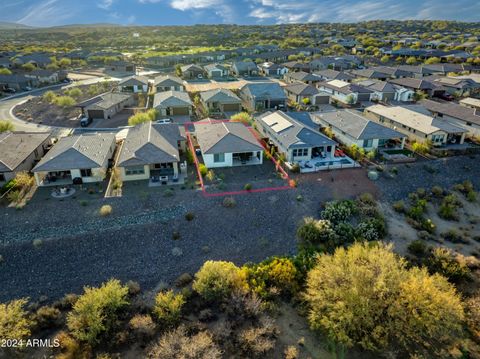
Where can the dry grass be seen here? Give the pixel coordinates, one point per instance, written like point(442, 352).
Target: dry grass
point(106, 210)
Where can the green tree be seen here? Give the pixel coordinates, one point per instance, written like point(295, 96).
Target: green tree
point(242, 117)
point(49, 96)
point(14, 322)
point(6, 126)
point(4, 71)
point(178, 70)
point(218, 279)
point(95, 311)
point(432, 60)
point(411, 61)
point(141, 117)
point(64, 101)
point(65, 62)
point(366, 295)
point(29, 67)
point(385, 59)
point(168, 307)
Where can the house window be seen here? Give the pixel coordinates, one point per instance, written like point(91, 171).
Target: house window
point(367, 143)
point(134, 170)
point(300, 152)
point(437, 138)
point(219, 157)
point(87, 172)
point(2, 177)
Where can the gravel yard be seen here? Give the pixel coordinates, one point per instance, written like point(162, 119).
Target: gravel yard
point(78, 247)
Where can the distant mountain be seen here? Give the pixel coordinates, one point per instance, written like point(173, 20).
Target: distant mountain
point(13, 25)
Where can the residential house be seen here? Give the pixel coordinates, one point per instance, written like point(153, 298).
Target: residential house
point(296, 66)
point(328, 75)
point(227, 144)
point(416, 71)
point(272, 69)
point(168, 83)
point(221, 100)
point(107, 105)
point(152, 152)
point(263, 96)
point(216, 71)
point(301, 93)
point(245, 68)
point(172, 103)
point(135, 84)
point(470, 102)
point(192, 71)
point(459, 115)
point(296, 141)
point(417, 126)
point(301, 76)
point(344, 92)
point(17, 82)
point(370, 74)
point(456, 86)
point(44, 76)
point(122, 66)
point(20, 151)
point(393, 72)
point(386, 91)
point(36, 59)
point(76, 159)
point(352, 128)
point(420, 85)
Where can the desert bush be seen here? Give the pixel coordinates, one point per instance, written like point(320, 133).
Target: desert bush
point(417, 210)
point(229, 202)
point(49, 96)
point(95, 311)
point(64, 101)
point(6, 126)
point(417, 247)
point(69, 347)
point(14, 196)
point(366, 199)
point(142, 326)
point(317, 233)
point(443, 261)
point(74, 92)
point(183, 280)
point(177, 344)
point(437, 191)
point(345, 232)
point(168, 307)
point(105, 210)
point(247, 187)
point(14, 321)
point(452, 235)
point(291, 352)
point(216, 280)
point(371, 229)
point(368, 280)
point(141, 117)
point(24, 180)
point(399, 206)
point(242, 117)
point(133, 287)
point(47, 317)
point(338, 211)
point(203, 169)
point(256, 341)
point(279, 274)
point(448, 207)
point(189, 216)
point(243, 305)
point(295, 168)
point(472, 308)
point(210, 175)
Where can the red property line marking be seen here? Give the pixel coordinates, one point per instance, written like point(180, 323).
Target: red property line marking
point(278, 167)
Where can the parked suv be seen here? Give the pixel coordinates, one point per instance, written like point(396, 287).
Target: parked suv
point(84, 122)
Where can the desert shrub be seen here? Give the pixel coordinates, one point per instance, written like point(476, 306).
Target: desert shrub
point(24, 180)
point(452, 235)
point(168, 307)
point(105, 210)
point(47, 317)
point(69, 347)
point(95, 311)
point(318, 233)
point(258, 340)
point(368, 230)
point(210, 175)
point(229, 202)
point(291, 352)
point(345, 232)
point(177, 344)
point(142, 326)
point(448, 207)
point(371, 281)
point(243, 305)
point(49, 96)
point(218, 279)
point(67, 301)
point(399, 206)
point(183, 280)
point(247, 187)
point(472, 308)
point(417, 210)
point(14, 321)
point(437, 191)
point(14, 196)
point(203, 169)
point(189, 216)
point(133, 287)
point(366, 199)
point(471, 196)
point(443, 261)
point(417, 247)
point(338, 211)
point(279, 274)
point(295, 168)
point(64, 101)
point(74, 92)
point(141, 117)
point(242, 117)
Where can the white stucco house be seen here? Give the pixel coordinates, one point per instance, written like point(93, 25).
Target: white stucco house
point(134, 84)
point(227, 144)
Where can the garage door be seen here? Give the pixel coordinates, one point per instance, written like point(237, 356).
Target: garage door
point(180, 111)
point(363, 97)
point(231, 107)
point(322, 100)
point(95, 114)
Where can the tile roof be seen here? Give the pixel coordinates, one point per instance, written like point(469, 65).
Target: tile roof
point(167, 81)
point(171, 99)
point(15, 147)
point(225, 137)
point(223, 96)
point(264, 90)
point(90, 150)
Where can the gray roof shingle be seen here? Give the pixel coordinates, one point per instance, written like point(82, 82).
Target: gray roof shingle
point(171, 99)
point(15, 147)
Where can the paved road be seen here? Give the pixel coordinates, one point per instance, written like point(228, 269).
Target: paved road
point(7, 104)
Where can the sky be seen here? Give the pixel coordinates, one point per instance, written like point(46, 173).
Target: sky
point(189, 12)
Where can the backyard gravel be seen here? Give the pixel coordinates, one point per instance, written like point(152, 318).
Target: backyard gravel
point(53, 247)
